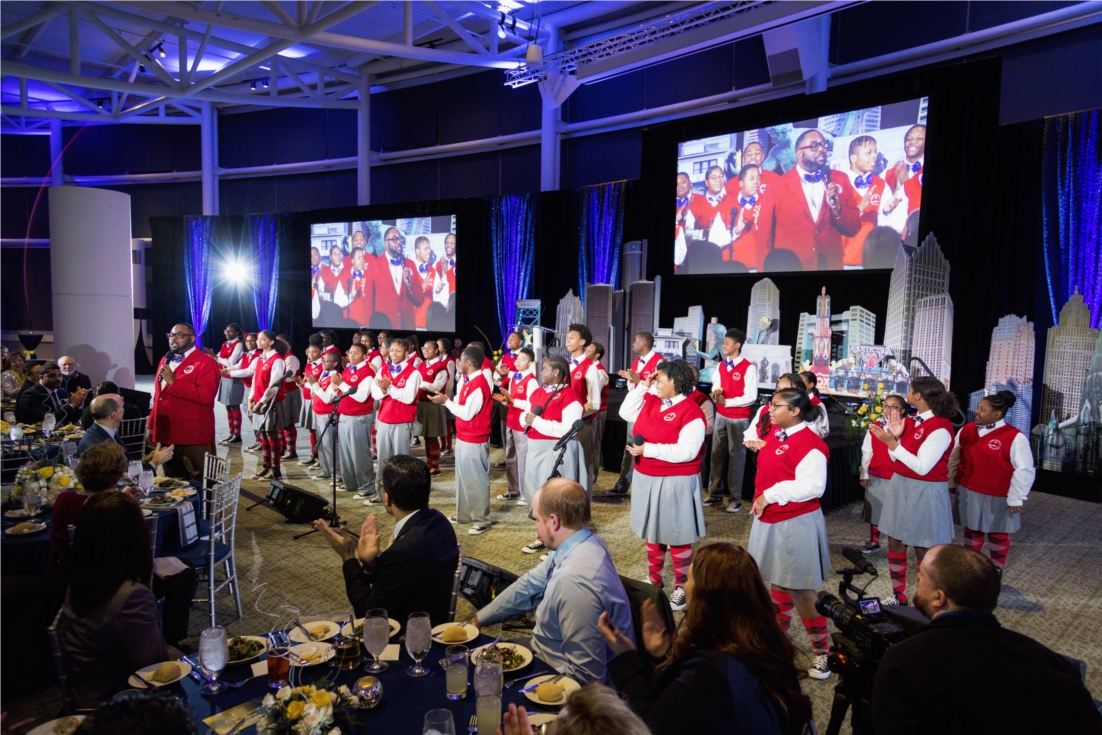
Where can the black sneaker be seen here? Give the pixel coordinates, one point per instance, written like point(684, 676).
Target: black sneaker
point(497, 466)
point(620, 488)
point(819, 668)
point(367, 492)
point(435, 473)
point(677, 599)
point(871, 548)
point(893, 601)
point(735, 506)
point(261, 474)
point(535, 547)
point(713, 500)
point(235, 439)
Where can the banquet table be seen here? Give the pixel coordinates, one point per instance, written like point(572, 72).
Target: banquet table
point(405, 699)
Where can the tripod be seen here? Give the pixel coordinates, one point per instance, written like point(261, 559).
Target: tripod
point(331, 426)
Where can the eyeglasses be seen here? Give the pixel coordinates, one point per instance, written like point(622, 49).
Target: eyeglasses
point(778, 405)
point(179, 335)
point(393, 239)
point(814, 145)
point(717, 177)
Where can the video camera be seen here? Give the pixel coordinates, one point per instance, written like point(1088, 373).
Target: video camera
point(865, 632)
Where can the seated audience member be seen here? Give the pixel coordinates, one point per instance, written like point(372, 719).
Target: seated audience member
point(32, 373)
point(108, 411)
point(416, 571)
point(130, 411)
point(12, 379)
point(71, 378)
point(110, 619)
point(569, 590)
point(141, 712)
point(931, 682)
point(730, 669)
point(49, 397)
point(592, 710)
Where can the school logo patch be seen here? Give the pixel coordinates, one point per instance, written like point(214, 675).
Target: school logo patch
point(188, 369)
point(995, 445)
point(401, 383)
point(736, 376)
point(578, 375)
point(354, 378)
point(782, 449)
point(669, 417)
point(874, 200)
point(919, 432)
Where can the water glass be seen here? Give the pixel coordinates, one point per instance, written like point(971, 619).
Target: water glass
point(439, 722)
point(455, 672)
point(213, 654)
point(488, 714)
point(31, 501)
point(488, 678)
point(134, 471)
point(49, 422)
point(418, 641)
point(145, 481)
point(376, 637)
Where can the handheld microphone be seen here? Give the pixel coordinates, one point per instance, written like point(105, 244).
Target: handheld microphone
point(537, 410)
point(574, 429)
point(638, 441)
point(860, 563)
point(825, 171)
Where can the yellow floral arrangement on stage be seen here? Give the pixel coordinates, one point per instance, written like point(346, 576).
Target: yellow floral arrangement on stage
point(858, 422)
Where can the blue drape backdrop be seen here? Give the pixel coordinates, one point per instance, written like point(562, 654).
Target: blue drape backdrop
point(197, 272)
point(513, 243)
point(1072, 204)
point(263, 231)
point(600, 234)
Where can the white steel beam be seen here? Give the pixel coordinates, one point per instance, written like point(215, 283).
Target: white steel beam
point(279, 12)
point(122, 43)
point(77, 98)
point(51, 9)
point(74, 41)
point(459, 30)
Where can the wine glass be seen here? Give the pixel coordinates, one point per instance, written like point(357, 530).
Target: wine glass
point(213, 653)
point(439, 722)
point(145, 481)
point(134, 470)
point(31, 501)
point(49, 421)
point(376, 636)
point(418, 641)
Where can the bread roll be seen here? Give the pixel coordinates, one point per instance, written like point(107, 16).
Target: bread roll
point(165, 672)
point(66, 726)
point(454, 634)
point(548, 692)
point(24, 527)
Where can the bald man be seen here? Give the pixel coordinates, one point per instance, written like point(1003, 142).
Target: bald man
point(107, 411)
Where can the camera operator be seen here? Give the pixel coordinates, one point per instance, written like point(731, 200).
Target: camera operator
point(967, 674)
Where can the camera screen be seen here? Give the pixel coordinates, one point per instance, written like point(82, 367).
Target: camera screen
point(871, 606)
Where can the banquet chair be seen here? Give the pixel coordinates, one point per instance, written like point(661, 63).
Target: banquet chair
point(455, 586)
point(640, 592)
point(216, 549)
point(56, 634)
point(132, 434)
point(216, 471)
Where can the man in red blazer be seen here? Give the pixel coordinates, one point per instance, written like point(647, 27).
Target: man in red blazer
point(183, 404)
point(392, 289)
point(810, 208)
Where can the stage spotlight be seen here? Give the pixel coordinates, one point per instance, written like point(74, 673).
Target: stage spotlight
point(501, 27)
point(141, 68)
point(253, 85)
point(161, 50)
point(265, 82)
point(235, 272)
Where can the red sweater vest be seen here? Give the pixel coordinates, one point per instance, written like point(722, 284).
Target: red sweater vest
point(248, 359)
point(521, 389)
point(321, 407)
point(913, 437)
point(475, 430)
point(659, 426)
point(733, 383)
point(287, 386)
point(263, 377)
point(578, 382)
point(352, 381)
point(392, 411)
point(647, 369)
point(881, 464)
point(985, 465)
point(428, 375)
point(313, 370)
point(777, 462)
point(552, 407)
point(227, 349)
point(510, 361)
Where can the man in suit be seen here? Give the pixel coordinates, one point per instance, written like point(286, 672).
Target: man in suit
point(183, 403)
point(415, 573)
point(393, 292)
point(959, 674)
point(49, 397)
point(809, 209)
point(130, 411)
point(108, 411)
point(71, 378)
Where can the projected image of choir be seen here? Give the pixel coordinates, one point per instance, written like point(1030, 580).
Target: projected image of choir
point(384, 274)
point(836, 192)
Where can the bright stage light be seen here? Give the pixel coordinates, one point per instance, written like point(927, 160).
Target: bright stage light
point(235, 272)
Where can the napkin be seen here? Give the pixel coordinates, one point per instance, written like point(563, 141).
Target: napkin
point(391, 653)
point(166, 566)
point(225, 721)
point(260, 668)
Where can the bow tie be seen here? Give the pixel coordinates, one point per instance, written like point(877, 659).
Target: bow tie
point(667, 402)
point(682, 201)
point(985, 426)
point(451, 262)
point(517, 376)
point(813, 178)
point(352, 368)
point(918, 420)
point(466, 379)
point(714, 199)
point(781, 434)
point(324, 373)
point(314, 269)
point(395, 261)
point(730, 364)
point(357, 274)
point(573, 362)
point(395, 369)
point(423, 268)
point(176, 358)
point(336, 269)
point(748, 201)
point(916, 167)
point(863, 182)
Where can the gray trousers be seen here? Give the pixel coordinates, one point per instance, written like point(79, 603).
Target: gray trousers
point(627, 465)
point(598, 435)
point(324, 446)
point(392, 439)
point(585, 439)
point(516, 449)
point(354, 452)
point(727, 439)
point(472, 482)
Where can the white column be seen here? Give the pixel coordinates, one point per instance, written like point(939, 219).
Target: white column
point(91, 272)
point(363, 143)
point(208, 143)
point(57, 174)
point(550, 139)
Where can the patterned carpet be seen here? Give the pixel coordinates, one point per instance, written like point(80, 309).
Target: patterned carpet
point(1052, 587)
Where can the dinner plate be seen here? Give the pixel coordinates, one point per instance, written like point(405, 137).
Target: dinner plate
point(181, 492)
point(171, 484)
point(568, 685)
point(538, 719)
point(524, 652)
point(263, 649)
point(141, 676)
point(47, 728)
point(394, 627)
point(331, 629)
point(40, 527)
point(147, 513)
point(19, 513)
point(163, 506)
point(323, 653)
point(438, 631)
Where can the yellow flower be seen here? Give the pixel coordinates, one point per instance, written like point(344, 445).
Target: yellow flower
point(294, 709)
point(64, 481)
point(46, 473)
point(879, 385)
point(863, 409)
point(79, 486)
point(321, 699)
point(864, 386)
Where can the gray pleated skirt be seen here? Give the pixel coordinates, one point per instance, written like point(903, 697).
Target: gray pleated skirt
point(792, 554)
point(433, 419)
point(288, 409)
point(917, 512)
point(267, 421)
point(540, 461)
point(667, 510)
point(874, 499)
point(987, 513)
point(231, 391)
point(306, 413)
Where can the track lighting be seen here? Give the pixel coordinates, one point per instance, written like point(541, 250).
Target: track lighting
point(266, 82)
point(141, 68)
point(160, 49)
point(501, 27)
point(253, 85)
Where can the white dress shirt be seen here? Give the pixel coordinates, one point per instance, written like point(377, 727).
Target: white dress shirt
point(886, 197)
point(173, 364)
point(750, 380)
point(1021, 457)
point(814, 191)
point(274, 378)
point(557, 429)
point(470, 408)
point(397, 273)
point(928, 454)
point(811, 477)
point(362, 392)
point(441, 380)
point(402, 395)
point(235, 356)
point(689, 439)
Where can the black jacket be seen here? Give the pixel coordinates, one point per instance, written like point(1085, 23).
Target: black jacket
point(129, 411)
point(967, 674)
point(34, 404)
point(96, 435)
point(414, 574)
point(76, 380)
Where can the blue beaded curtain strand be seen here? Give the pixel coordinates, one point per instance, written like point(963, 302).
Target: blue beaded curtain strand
point(513, 242)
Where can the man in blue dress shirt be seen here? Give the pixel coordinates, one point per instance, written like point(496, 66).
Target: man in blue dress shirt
point(572, 587)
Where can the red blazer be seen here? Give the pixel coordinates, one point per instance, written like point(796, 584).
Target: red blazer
point(785, 221)
point(400, 307)
point(183, 413)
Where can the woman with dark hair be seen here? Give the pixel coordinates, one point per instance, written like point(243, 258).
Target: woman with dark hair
point(12, 378)
point(877, 471)
point(788, 536)
point(991, 467)
point(32, 373)
point(917, 510)
point(110, 614)
point(231, 391)
point(667, 509)
point(266, 371)
point(760, 426)
point(729, 669)
point(290, 406)
point(250, 355)
point(818, 418)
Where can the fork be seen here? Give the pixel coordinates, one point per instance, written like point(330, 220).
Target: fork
point(473, 727)
point(236, 684)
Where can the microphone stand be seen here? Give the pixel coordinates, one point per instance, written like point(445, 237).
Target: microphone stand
point(332, 424)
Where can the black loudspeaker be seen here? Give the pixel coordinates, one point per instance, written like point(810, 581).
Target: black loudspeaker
point(480, 582)
point(295, 504)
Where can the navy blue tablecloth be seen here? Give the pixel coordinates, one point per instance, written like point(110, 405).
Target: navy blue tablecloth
point(405, 699)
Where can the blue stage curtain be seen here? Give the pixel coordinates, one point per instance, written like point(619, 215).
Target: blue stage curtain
point(513, 244)
point(1072, 203)
point(197, 272)
point(600, 234)
point(263, 233)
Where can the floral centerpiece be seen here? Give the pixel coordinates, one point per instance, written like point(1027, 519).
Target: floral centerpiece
point(308, 710)
point(46, 479)
point(858, 423)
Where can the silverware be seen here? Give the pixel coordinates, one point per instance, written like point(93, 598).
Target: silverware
point(514, 680)
point(237, 728)
point(309, 637)
point(553, 680)
point(473, 727)
point(236, 684)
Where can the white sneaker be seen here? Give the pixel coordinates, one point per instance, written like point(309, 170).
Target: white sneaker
point(535, 547)
point(677, 599)
point(892, 601)
point(452, 520)
point(508, 496)
point(478, 529)
point(522, 501)
point(819, 668)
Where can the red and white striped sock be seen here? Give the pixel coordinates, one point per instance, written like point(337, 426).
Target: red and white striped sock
point(656, 559)
point(817, 631)
point(897, 568)
point(432, 452)
point(374, 441)
point(973, 539)
point(783, 600)
point(998, 545)
point(233, 417)
point(874, 534)
point(682, 557)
